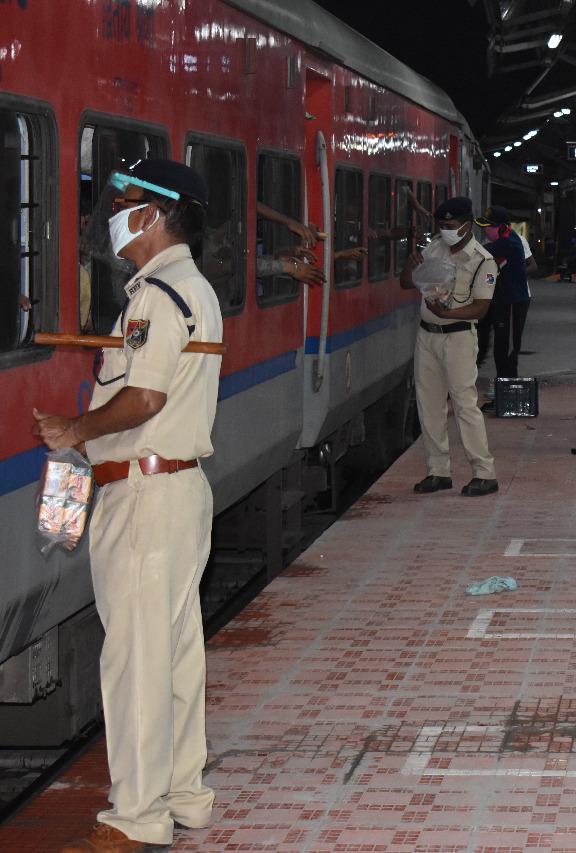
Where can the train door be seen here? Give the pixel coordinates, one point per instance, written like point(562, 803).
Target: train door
point(317, 159)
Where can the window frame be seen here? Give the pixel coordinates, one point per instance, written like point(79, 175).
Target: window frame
point(47, 273)
point(288, 154)
point(111, 121)
point(397, 180)
point(239, 146)
point(357, 282)
point(437, 186)
point(387, 176)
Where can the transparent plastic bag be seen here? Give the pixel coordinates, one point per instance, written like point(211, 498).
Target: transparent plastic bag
point(435, 279)
point(64, 499)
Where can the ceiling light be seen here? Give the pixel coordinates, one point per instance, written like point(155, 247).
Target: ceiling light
point(539, 210)
point(554, 40)
point(554, 183)
point(508, 148)
point(566, 111)
point(497, 154)
point(558, 114)
point(517, 144)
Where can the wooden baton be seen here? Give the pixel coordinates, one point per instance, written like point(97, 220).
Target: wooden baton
point(54, 339)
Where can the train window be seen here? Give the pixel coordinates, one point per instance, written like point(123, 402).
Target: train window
point(104, 148)
point(279, 192)
point(223, 167)
point(441, 194)
point(378, 226)
point(28, 257)
point(403, 223)
point(348, 205)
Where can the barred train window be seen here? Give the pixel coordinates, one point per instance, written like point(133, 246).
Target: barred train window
point(347, 227)
point(104, 149)
point(378, 226)
point(223, 168)
point(403, 222)
point(279, 188)
point(28, 264)
point(441, 194)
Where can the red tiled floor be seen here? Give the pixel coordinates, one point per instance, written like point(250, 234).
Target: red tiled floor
point(365, 703)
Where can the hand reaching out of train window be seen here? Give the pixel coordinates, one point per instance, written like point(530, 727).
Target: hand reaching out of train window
point(309, 234)
point(356, 253)
point(304, 272)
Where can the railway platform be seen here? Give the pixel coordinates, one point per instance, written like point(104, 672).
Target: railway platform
point(365, 703)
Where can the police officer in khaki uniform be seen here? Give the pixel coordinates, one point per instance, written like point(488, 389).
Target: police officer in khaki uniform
point(148, 426)
point(446, 349)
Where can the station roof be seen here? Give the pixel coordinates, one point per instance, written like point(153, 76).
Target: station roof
point(540, 117)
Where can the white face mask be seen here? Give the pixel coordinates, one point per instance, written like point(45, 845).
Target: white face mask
point(120, 234)
point(452, 237)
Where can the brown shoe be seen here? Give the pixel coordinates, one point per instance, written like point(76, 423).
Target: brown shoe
point(107, 839)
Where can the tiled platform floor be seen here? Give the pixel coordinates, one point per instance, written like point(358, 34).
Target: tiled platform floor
point(365, 703)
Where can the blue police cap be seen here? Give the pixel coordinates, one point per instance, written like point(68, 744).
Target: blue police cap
point(495, 215)
point(180, 180)
point(458, 207)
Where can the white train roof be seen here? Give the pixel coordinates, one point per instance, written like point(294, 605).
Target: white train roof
point(322, 31)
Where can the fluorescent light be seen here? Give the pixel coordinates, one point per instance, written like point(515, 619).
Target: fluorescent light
point(554, 183)
point(554, 40)
point(558, 114)
point(497, 154)
point(517, 144)
point(508, 148)
point(566, 111)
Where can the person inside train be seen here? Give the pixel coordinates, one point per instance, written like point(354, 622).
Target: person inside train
point(297, 261)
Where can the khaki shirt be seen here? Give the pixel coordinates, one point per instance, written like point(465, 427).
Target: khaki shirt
point(472, 259)
point(155, 332)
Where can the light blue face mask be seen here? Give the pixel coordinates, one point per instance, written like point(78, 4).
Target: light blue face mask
point(120, 234)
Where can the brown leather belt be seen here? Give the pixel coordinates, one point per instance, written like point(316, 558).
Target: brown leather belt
point(109, 472)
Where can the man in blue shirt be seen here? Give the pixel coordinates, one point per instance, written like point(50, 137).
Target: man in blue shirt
point(511, 300)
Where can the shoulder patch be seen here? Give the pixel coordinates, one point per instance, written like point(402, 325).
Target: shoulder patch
point(490, 279)
point(137, 333)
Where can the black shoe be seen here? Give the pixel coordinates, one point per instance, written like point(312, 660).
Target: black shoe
point(431, 483)
point(477, 487)
point(490, 406)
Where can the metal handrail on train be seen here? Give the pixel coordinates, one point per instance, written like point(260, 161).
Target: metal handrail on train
point(322, 162)
point(112, 342)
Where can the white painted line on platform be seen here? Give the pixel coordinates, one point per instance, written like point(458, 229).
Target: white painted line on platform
point(479, 628)
point(417, 762)
point(511, 771)
point(516, 546)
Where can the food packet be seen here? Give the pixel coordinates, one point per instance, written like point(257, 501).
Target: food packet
point(435, 280)
point(64, 499)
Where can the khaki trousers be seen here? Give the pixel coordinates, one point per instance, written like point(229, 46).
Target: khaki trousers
point(149, 543)
point(446, 364)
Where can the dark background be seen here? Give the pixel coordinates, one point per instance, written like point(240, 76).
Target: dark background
point(444, 40)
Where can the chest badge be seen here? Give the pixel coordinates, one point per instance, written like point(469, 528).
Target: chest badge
point(137, 333)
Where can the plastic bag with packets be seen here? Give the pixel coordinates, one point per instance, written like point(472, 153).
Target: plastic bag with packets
point(64, 499)
point(435, 279)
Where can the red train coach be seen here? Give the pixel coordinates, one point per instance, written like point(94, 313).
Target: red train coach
point(273, 102)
